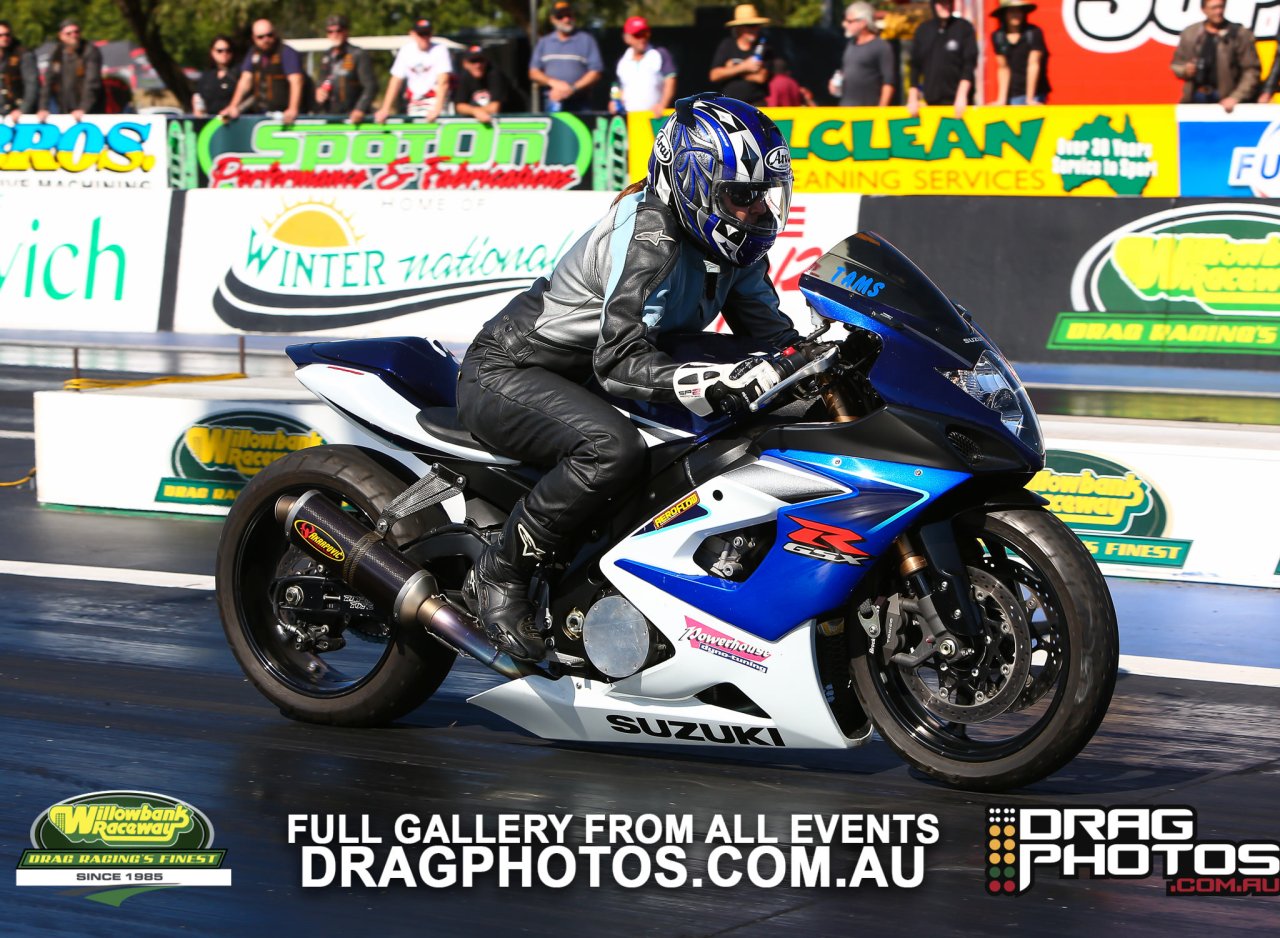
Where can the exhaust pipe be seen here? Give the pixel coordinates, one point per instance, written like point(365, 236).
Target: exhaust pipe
point(388, 578)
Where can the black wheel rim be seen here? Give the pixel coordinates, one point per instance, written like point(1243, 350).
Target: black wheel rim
point(1028, 718)
point(265, 553)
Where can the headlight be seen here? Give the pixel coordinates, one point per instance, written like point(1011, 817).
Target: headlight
point(993, 383)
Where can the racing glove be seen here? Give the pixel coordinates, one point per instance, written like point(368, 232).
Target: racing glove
point(731, 389)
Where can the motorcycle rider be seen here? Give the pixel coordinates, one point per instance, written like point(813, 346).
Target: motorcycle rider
point(673, 251)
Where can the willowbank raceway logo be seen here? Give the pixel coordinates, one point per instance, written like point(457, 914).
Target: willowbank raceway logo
point(1199, 279)
point(312, 267)
point(117, 844)
point(1117, 514)
point(1024, 845)
point(215, 457)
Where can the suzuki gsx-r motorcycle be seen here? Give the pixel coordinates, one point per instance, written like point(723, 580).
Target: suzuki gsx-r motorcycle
point(864, 557)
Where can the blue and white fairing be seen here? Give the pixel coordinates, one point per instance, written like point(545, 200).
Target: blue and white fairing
point(930, 348)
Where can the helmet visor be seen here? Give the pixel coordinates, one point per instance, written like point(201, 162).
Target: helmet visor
point(757, 207)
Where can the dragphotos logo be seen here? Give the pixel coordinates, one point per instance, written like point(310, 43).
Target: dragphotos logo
point(1024, 844)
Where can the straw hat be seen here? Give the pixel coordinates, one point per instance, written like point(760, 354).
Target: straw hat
point(746, 14)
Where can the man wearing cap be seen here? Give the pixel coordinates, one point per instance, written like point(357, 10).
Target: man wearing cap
point(73, 79)
point(345, 82)
point(270, 78)
point(646, 73)
point(422, 67)
point(482, 91)
point(738, 64)
point(1022, 59)
point(944, 59)
point(566, 62)
point(866, 75)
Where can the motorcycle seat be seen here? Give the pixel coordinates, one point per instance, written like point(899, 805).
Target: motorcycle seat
point(443, 424)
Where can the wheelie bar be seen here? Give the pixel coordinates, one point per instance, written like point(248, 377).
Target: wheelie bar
point(391, 581)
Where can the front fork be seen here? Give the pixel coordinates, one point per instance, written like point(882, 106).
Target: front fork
point(942, 600)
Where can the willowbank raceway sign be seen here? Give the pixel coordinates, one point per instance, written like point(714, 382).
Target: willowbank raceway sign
point(517, 151)
point(1202, 278)
point(1082, 151)
point(98, 152)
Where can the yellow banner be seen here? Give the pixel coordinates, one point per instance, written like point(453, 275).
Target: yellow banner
point(1052, 150)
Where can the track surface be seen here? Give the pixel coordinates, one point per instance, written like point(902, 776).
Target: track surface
point(111, 686)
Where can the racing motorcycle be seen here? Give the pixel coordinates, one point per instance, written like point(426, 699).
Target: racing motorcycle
point(858, 554)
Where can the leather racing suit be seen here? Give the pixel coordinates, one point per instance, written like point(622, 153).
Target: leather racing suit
point(631, 279)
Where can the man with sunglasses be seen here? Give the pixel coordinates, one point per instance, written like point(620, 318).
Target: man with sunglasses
point(19, 80)
point(73, 78)
point(270, 78)
point(345, 82)
point(217, 84)
point(624, 314)
point(566, 62)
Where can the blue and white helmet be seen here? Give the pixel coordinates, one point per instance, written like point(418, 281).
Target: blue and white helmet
point(724, 169)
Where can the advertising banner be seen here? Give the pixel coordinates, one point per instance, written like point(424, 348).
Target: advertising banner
point(1133, 492)
point(91, 261)
point(438, 264)
point(1080, 151)
point(191, 449)
point(1124, 281)
point(1119, 51)
point(98, 152)
point(1235, 155)
point(515, 151)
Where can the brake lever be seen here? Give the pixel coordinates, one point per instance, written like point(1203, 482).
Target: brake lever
point(820, 364)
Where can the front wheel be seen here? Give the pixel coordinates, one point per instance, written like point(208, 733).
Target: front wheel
point(1030, 698)
point(274, 599)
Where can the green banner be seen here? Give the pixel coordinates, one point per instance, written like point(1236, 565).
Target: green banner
point(1139, 551)
point(1165, 332)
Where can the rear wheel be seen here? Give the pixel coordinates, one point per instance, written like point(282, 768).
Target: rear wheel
point(383, 670)
point(1035, 690)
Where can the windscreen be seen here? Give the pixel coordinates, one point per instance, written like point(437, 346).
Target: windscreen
point(867, 273)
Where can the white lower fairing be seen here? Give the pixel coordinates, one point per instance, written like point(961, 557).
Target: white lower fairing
point(597, 711)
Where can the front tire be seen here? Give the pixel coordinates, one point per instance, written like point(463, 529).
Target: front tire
point(1059, 604)
point(384, 673)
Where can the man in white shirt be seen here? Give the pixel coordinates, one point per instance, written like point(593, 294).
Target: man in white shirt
point(646, 73)
point(424, 66)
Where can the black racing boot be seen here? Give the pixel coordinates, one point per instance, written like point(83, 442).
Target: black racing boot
point(498, 589)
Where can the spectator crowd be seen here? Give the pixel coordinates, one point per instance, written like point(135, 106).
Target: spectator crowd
point(1216, 62)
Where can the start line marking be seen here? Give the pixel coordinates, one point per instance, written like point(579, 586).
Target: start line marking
point(1132, 664)
point(65, 571)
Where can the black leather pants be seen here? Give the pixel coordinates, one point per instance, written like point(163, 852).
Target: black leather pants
point(538, 417)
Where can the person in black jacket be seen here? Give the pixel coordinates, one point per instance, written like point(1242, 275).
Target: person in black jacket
point(73, 80)
point(345, 82)
point(944, 58)
point(676, 249)
point(1022, 58)
point(19, 78)
point(217, 83)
